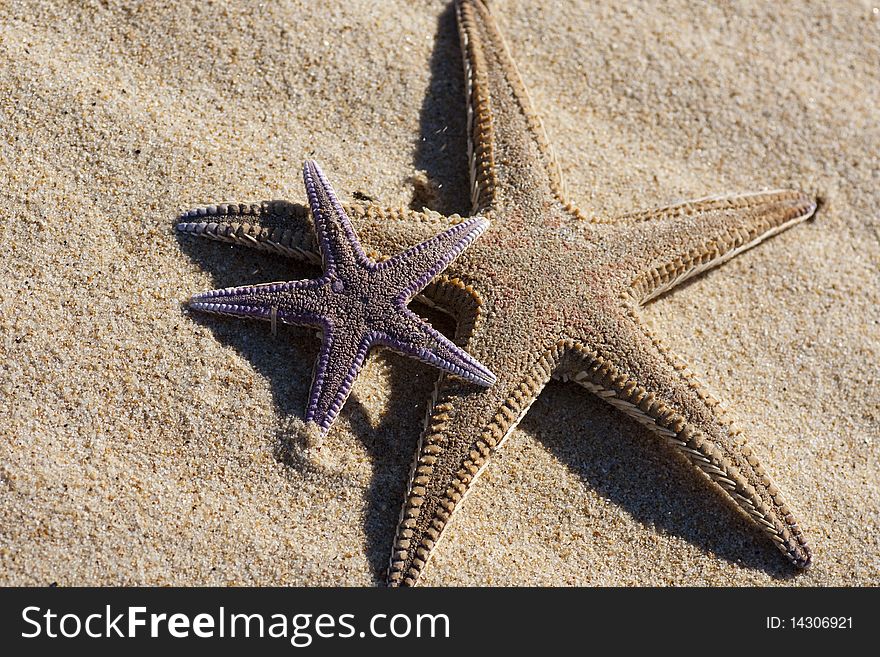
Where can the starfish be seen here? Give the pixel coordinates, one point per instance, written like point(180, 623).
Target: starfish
point(550, 292)
point(357, 303)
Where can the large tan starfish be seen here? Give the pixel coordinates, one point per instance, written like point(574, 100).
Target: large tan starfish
point(548, 292)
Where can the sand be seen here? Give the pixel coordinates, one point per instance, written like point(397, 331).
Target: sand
point(142, 444)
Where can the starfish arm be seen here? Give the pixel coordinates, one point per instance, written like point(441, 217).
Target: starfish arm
point(463, 429)
point(411, 336)
point(272, 226)
point(420, 264)
point(342, 356)
point(292, 302)
point(286, 228)
point(337, 241)
point(631, 369)
point(671, 245)
point(511, 160)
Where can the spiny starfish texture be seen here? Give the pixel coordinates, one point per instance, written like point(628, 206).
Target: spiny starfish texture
point(549, 292)
point(357, 303)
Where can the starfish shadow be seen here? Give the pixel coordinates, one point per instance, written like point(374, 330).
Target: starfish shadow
point(285, 359)
point(390, 444)
point(630, 466)
point(442, 147)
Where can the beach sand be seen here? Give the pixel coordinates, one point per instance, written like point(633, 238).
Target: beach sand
point(143, 444)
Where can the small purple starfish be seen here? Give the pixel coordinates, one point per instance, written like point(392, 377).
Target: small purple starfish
point(357, 303)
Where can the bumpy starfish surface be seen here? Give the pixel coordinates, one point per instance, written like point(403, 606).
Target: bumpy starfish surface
point(357, 303)
point(548, 292)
